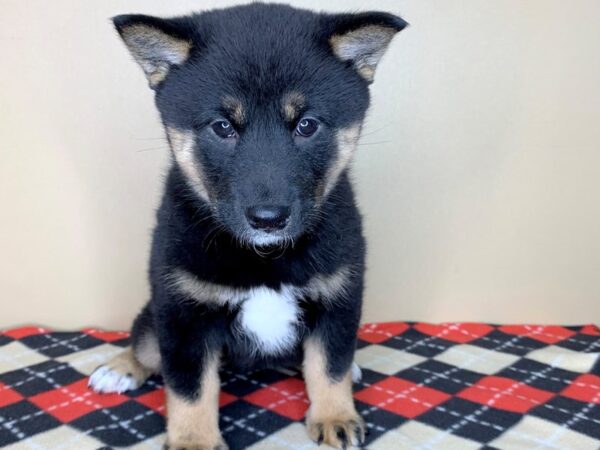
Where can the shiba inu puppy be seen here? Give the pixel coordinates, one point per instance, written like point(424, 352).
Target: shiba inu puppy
point(258, 253)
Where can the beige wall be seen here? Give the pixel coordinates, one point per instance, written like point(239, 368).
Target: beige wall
point(478, 173)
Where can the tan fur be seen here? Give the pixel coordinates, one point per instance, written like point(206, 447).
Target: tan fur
point(194, 424)
point(235, 109)
point(147, 352)
point(291, 104)
point(126, 363)
point(203, 291)
point(332, 406)
point(182, 146)
point(155, 50)
point(347, 139)
point(364, 47)
point(326, 288)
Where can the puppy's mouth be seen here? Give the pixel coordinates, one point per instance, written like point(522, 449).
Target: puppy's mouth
point(268, 226)
point(267, 239)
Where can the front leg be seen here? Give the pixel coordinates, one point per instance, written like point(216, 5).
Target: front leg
point(190, 350)
point(328, 352)
point(193, 421)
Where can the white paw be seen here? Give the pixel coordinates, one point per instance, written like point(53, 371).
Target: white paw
point(106, 380)
point(356, 373)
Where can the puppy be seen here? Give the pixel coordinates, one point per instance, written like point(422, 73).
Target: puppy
point(258, 254)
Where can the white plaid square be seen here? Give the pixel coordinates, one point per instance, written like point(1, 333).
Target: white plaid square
point(413, 435)
point(86, 361)
point(533, 432)
point(16, 356)
point(153, 443)
point(62, 438)
point(564, 358)
point(385, 359)
point(292, 437)
point(477, 359)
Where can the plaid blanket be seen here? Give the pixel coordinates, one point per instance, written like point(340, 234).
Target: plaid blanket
point(448, 386)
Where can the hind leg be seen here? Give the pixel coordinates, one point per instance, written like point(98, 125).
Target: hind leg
point(130, 368)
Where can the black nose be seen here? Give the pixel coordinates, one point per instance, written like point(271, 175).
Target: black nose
point(268, 217)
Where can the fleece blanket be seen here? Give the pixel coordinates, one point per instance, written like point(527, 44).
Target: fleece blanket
point(427, 386)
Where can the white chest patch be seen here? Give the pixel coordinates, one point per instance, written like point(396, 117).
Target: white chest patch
point(269, 317)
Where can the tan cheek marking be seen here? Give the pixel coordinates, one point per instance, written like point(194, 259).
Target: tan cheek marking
point(332, 405)
point(154, 50)
point(195, 423)
point(292, 103)
point(182, 146)
point(346, 139)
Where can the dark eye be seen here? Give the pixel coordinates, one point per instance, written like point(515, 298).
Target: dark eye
point(223, 129)
point(306, 127)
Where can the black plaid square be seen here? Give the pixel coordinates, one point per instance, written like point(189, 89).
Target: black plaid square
point(578, 416)
point(471, 420)
point(243, 424)
point(414, 341)
point(581, 343)
point(368, 378)
point(122, 425)
point(378, 421)
point(60, 344)
point(538, 375)
point(516, 345)
point(22, 420)
point(41, 377)
point(241, 385)
point(440, 376)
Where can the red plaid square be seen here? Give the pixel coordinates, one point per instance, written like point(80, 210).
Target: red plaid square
point(8, 396)
point(286, 397)
point(585, 388)
point(20, 333)
point(154, 400)
point(455, 332)
point(401, 397)
point(592, 330)
point(106, 336)
point(74, 400)
point(226, 398)
point(504, 393)
point(548, 334)
point(376, 333)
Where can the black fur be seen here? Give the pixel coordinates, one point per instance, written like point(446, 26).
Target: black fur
point(256, 53)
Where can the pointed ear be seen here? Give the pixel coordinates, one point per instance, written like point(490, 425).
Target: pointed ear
point(362, 38)
point(156, 44)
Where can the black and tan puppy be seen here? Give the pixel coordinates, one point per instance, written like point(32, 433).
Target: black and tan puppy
point(258, 254)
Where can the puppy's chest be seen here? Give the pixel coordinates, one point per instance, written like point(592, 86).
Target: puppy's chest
point(269, 319)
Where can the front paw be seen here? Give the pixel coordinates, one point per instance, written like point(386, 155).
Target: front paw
point(221, 445)
point(339, 432)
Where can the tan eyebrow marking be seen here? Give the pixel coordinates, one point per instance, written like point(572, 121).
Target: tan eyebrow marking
point(292, 103)
point(235, 108)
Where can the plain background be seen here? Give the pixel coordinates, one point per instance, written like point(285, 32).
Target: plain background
point(478, 171)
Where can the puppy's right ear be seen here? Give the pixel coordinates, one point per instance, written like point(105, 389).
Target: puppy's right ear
point(156, 44)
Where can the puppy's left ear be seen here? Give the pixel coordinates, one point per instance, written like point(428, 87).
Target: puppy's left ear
point(156, 44)
point(362, 38)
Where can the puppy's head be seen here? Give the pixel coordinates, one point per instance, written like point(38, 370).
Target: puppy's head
point(262, 106)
